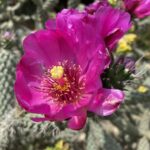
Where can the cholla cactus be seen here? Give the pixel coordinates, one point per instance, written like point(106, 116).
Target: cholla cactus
point(17, 125)
point(19, 132)
point(8, 61)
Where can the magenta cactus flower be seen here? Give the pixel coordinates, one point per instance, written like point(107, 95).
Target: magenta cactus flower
point(59, 74)
point(99, 19)
point(110, 23)
point(139, 8)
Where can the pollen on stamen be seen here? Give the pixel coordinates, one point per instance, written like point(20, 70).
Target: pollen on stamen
point(63, 83)
point(57, 72)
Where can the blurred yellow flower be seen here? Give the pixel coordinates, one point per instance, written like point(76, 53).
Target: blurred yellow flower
point(125, 44)
point(130, 38)
point(60, 145)
point(142, 89)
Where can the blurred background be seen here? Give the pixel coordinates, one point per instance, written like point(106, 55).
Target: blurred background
point(127, 129)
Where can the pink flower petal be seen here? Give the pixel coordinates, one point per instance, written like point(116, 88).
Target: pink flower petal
point(77, 122)
point(60, 113)
point(28, 97)
point(106, 102)
point(143, 10)
point(96, 67)
point(77, 25)
point(139, 8)
point(108, 21)
point(31, 68)
point(49, 47)
point(50, 24)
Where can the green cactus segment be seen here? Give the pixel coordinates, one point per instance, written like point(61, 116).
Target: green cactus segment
point(8, 61)
point(95, 137)
point(15, 127)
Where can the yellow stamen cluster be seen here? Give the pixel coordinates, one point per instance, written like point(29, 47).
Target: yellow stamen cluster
point(63, 88)
point(57, 72)
point(63, 83)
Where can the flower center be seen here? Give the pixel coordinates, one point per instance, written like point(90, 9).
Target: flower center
point(63, 83)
